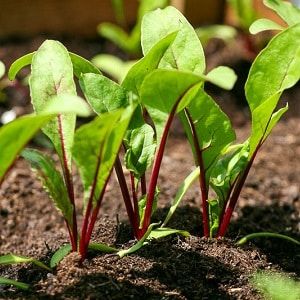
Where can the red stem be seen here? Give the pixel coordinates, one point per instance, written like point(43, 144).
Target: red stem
point(235, 196)
point(154, 174)
point(85, 240)
point(125, 194)
point(69, 183)
point(85, 224)
point(199, 162)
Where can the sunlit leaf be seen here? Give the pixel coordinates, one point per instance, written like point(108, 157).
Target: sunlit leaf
point(286, 10)
point(186, 53)
point(95, 149)
point(264, 24)
point(52, 75)
point(15, 135)
point(19, 64)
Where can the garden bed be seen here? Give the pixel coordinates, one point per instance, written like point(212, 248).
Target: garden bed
point(173, 267)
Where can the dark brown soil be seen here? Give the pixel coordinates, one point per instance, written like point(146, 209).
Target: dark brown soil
point(174, 267)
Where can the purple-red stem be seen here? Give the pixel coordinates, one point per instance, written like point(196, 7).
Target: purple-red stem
point(125, 194)
point(235, 196)
point(135, 200)
point(69, 183)
point(85, 240)
point(154, 174)
point(204, 193)
point(83, 246)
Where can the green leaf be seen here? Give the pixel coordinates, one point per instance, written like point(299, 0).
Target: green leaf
point(186, 53)
point(214, 210)
point(52, 181)
point(180, 193)
point(19, 64)
point(15, 135)
point(226, 172)
point(82, 65)
point(286, 10)
point(103, 94)
point(264, 24)
point(20, 285)
point(213, 130)
point(140, 145)
point(222, 76)
point(59, 255)
point(159, 233)
point(266, 235)
point(148, 63)
point(52, 75)
point(264, 79)
point(113, 66)
point(139, 244)
point(164, 90)
point(65, 103)
point(96, 146)
point(16, 259)
point(263, 121)
point(102, 248)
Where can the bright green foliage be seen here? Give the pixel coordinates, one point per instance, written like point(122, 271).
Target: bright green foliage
point(147, 64)
point(289, 13)
point(95, 154)
point(265, 83)
point(103, 94)
point(15, 135)
point(286, 10)
point(164, 92)
point(185, 53)
point(52, 75)
point(213, 131)
point(94, 146)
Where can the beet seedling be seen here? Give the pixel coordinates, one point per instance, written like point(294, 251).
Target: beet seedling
point(168, 42)
point(93, 146)
point(224, 167)
point(174, 84)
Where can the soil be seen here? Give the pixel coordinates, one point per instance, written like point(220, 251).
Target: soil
point(175, 267)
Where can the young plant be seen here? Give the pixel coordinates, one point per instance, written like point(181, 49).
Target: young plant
point(165, 81)
point(169, 80)
point(93, 146)
point(226, 170)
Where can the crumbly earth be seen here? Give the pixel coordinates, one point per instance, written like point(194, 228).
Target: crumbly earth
point(175, 267)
